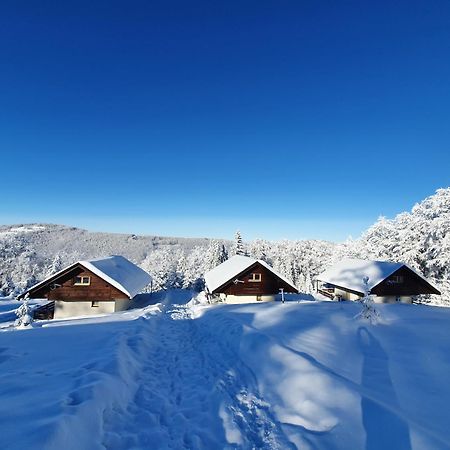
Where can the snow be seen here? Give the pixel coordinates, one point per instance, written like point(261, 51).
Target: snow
point(116, 270)
point(12, 231)
point(350, 273)
point(272, 376)
point(232, 267)
point(8, 307)
point(121, 273)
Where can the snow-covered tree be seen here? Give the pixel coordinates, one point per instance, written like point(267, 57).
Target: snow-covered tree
point(162, 264)
point(215, 254)
point(260, 249)
point(308, 284)
point(419, 238)
point(197, 267)
point(24, 314)
point(368, 311)
point(239, 248)
point(223, 255)
point(55, 266)
point(7, 285)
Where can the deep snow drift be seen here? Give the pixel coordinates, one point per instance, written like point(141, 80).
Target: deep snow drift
point(294, 375)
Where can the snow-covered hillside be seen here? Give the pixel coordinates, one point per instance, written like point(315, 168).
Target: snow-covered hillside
point(274, 376)
point(420, 238)
point(29, 253)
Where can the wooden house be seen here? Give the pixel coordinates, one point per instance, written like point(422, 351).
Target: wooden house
point(241, 279)
point(92, 287)
point(388, 282)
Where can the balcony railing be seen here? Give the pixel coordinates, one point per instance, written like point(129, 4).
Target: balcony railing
point(327, 292)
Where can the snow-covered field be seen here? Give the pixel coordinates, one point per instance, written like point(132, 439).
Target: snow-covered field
point(296, 375)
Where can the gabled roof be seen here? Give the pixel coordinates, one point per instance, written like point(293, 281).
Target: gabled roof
point(349, 273)
point(120, 273)
point(116, 270)
point(232, 267)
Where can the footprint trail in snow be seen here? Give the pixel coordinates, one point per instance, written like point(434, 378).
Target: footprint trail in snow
point(194, 393)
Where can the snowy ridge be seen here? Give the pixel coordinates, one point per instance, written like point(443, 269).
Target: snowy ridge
point(12, 231)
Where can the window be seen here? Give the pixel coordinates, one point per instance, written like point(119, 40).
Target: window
point(94, 304)
point(255, 277)
point(82, 281)
point(396, 279)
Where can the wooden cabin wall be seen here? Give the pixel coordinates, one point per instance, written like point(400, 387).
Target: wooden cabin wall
point(269, 284)
point(98, 290)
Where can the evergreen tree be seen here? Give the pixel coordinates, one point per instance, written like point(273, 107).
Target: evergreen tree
point(223, 256)
point(368, 311)
point(213, 255)
point(24, 314)
point(239, 248)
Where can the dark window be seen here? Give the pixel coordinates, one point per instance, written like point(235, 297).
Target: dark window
point(82, 281)
point(396, 279)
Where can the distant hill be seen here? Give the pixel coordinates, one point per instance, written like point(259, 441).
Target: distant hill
point(29, 252)
point(47, 240)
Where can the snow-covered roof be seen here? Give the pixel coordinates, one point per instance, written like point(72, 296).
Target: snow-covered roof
point(234, 266)
point(116, 270)
point(349, 273)
point(120, 273)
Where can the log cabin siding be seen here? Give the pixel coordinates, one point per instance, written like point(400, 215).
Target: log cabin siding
point(97, 290)
point(269, 284)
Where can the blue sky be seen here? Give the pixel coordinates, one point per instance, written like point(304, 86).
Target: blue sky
point(284, 119)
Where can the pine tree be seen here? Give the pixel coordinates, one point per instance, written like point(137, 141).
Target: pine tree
point(213, 255)
point(239, 248)
point(368, 311)
point(24, 314)
point(7, 286)
point(223, 254)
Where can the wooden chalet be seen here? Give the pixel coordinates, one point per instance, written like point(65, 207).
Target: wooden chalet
point(241, 279)
point(91, 287)
point(389, 282)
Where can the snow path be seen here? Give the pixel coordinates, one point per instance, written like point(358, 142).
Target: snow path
point(193, 393)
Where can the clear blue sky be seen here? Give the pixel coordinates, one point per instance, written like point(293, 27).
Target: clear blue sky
point(284, 119)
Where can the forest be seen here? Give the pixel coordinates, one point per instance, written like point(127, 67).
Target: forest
point(419, 238)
